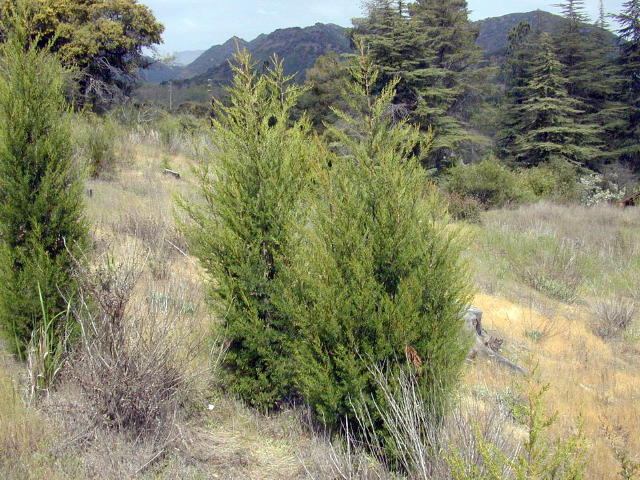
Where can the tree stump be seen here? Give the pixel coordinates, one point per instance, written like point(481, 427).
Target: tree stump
point(484, 344)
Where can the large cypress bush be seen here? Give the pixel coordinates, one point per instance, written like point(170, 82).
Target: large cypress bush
point(240, 227)
point(41, 207)
point(379, 281)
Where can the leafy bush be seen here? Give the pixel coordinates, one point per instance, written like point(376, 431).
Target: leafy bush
point(596, 190)
point(378, 279)
point(464, 208)
point(41, 209)
point(174, 131)
point(555, 180)
point(241, 228)
point(493, 185)
point(97, 139)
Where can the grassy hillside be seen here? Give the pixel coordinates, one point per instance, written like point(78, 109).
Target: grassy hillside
point(550, 280)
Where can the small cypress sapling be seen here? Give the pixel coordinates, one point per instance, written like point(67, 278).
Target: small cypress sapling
point(379, 279)
point(240, 229)
point(41, 207)
point(540, 457)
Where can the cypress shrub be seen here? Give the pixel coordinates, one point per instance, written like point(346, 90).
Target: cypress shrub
point(241, 226)
point(378, 281)
point(41, 207)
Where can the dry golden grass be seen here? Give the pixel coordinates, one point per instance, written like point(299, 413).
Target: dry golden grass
point(589, 377)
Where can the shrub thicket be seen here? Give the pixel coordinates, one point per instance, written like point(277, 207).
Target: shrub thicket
point(241, 229)
point(41, 204)
point(490, 183)
point(97, 139)
point(378, 279)
point(137, 363)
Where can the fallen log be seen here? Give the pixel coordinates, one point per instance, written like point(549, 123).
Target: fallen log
point(172, 173)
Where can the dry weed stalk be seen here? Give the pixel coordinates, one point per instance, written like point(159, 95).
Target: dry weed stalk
point(613, 316)
point(136, 364)
point(422, 444)
point(422, 441)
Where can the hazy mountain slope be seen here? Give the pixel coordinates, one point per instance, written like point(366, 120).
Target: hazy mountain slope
point(159, 72)
point(494, 32)
point(185, 58)
point(211, 58)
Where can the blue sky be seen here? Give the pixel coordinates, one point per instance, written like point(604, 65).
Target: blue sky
point(199, 24)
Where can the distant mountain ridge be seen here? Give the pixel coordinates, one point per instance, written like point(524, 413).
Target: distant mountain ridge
point(300, 47)
point(211, 58)
point(494, 31)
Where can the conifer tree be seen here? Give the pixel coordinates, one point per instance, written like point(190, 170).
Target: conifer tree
point(629, 61)
point(379, 280)
point(587, 53)
point(240, 230)
point(41, 207)
point(430, 46)
point(447, 80)
point(516, 73)
point(391, 40)
point(604, 107)
point(547, 129)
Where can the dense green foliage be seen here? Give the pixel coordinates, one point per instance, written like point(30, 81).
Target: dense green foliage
point(629, 62)
point(103, 39)
point(431, 47)
point(546, 129)
point(569, 95)
point(41, 208)
point(491, 184)
point(241, 230)
point(379, 281)
point(326, 80)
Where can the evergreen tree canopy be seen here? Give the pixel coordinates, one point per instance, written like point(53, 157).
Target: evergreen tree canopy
point(326, 80)
point(41, 207)
point(516, 73)
point(587, 55)
point(547, 129)
point(430, 46)
point(629, 62)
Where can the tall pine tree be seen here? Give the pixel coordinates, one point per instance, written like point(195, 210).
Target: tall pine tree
point(516, 72)
point(430, 46)
point(629, 61)
point(587, 52)
point(447, 81)
point(547, 129)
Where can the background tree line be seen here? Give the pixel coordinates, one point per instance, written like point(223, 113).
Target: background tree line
point(569, 96)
